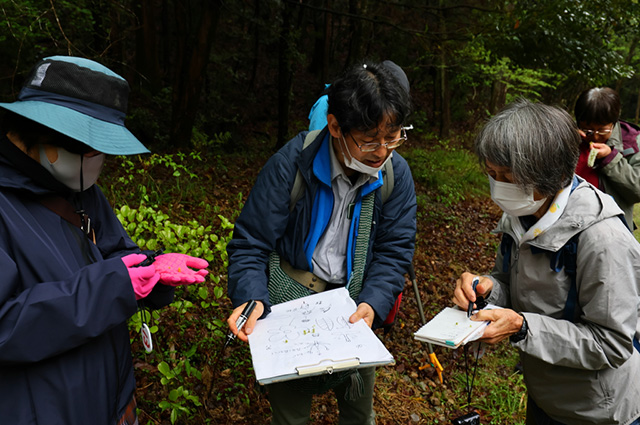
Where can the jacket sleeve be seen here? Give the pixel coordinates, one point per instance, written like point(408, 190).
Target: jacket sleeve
point(393, 245)
point(624, 174)
point(49, 318)
point(621, 173)
point(608, 266)
point(261, 223)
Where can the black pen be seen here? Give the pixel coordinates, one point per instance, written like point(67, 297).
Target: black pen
point(248, 309)
point(475, 282)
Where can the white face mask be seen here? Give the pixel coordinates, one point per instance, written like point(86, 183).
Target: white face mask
point(513, 200)
point(66, 169)
point(358, 166)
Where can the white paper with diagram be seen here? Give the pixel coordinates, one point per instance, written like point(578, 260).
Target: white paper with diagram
point(311, 336)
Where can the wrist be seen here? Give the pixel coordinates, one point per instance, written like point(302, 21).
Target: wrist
point(522, 333)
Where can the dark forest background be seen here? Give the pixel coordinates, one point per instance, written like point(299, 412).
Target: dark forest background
point(234, 70)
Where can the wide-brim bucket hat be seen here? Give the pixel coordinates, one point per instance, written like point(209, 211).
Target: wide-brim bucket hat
point(81, 99)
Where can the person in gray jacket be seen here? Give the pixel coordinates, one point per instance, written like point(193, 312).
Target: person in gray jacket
point(577, 337)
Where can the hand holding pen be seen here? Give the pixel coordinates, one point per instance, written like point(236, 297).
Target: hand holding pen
point(244, 316)
point(470, 291)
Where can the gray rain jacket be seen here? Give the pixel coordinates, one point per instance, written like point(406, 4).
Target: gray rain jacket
point(584, 371)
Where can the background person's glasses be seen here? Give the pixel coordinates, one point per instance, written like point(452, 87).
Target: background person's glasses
point(590, 133)
point(372, 147)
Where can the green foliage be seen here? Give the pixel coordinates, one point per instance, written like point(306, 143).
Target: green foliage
point(151, 229)
point(159, 179)
point(179, 399)
point(449, 173)
point(497, 388)
point(486, 68)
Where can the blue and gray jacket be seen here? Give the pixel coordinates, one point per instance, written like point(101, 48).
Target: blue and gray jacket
point(266, 224)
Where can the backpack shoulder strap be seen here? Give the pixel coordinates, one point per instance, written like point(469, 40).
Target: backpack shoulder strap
point(567, 257)
point(387, 186)
point(298, 184)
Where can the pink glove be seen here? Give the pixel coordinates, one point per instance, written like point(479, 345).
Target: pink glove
point(176, 269)
point(143, 279)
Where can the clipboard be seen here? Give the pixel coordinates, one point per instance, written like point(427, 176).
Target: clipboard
point(312, 336)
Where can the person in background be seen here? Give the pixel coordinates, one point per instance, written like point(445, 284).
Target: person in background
point(338, 234)
point(71, 276)
point(613, 144)
point(577, 333)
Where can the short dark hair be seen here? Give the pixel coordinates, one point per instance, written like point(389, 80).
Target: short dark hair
point(539, 143)
point(364, 95)
point(600, 105)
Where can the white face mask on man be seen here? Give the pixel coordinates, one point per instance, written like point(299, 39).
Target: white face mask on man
point(66, 169)
point(356, 165)
point(513, 200)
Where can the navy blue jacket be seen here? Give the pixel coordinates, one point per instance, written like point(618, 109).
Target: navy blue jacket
point(266, 224)
point(65, 356)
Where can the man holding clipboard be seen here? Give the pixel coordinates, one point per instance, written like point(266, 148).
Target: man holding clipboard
point(337, 233)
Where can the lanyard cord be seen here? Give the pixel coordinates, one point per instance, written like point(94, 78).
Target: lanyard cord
point(469, 386)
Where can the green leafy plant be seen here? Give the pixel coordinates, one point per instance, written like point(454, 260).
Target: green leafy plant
point(449, 174)
point(180, 400)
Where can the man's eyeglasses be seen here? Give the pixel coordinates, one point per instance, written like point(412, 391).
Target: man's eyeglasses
point(590, 133)
point(372, 147)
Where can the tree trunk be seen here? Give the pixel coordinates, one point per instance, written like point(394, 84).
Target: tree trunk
point(284, 76)
point(326, 48)
point(193, 57)
point(147, 47)
point(445, 93)
point(498, 96)
point(256, 45)
point(320, 59)
point(357, 28)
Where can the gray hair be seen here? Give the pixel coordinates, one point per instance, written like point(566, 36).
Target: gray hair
point(537, 142)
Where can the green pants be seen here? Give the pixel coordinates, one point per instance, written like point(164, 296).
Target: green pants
point(290, 407)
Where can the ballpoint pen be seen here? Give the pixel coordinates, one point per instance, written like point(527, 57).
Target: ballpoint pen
point(242, 319)
point(475, 282)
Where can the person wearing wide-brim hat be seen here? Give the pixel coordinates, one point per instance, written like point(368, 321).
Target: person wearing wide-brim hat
point(68, 281)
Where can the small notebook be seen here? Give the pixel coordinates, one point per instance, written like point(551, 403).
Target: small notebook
point(451, 328)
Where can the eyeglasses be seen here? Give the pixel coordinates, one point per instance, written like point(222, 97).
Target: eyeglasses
point(372, 147)
point(590, 133)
